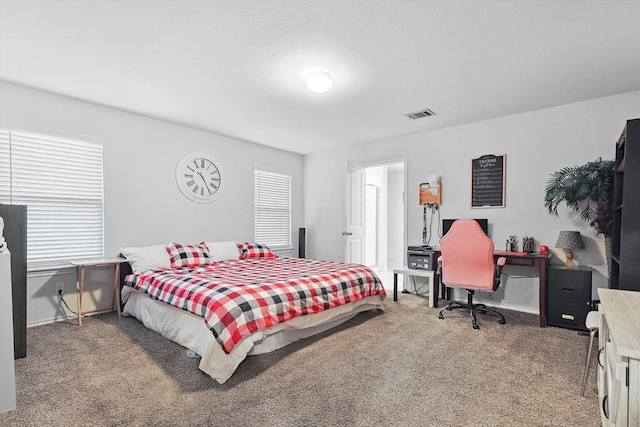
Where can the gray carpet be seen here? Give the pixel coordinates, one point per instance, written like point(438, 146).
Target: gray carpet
point(403, 367)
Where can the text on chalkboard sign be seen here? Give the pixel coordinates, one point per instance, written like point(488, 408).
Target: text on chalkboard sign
point(487, 181)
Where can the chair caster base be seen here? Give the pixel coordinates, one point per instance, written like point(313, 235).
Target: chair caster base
point(473, 309)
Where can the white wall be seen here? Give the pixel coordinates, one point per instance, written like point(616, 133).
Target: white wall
point(143, 205)
point(536, 144)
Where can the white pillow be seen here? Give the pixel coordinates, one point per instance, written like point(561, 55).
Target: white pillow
point(147, 258)
point(221, 251)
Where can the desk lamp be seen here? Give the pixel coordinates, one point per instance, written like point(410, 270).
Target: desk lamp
point(568, 240)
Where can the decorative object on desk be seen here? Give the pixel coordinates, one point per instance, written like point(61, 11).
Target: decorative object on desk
point(527, 244)
point(3, 243)
point(568, 240)
point(512, 244)
point(544, 250)
point(587, 189)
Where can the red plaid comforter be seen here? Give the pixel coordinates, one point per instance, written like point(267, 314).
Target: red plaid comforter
point(237, 298)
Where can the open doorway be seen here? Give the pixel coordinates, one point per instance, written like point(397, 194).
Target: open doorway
point(384, 231)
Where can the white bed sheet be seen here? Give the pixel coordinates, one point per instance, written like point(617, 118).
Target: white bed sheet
point(190, 331)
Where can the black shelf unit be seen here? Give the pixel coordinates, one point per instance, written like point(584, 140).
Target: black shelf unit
point(625, 240)
point(15, 233)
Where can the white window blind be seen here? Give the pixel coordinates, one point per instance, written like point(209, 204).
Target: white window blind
point(60, 181)
point(272, 208)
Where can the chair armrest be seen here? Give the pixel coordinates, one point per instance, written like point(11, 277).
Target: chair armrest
point(498, 276)
point(499, 264)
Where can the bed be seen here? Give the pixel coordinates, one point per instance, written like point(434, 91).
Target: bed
point(225, 301)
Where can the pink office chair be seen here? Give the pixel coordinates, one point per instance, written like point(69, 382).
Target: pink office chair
point(467, 262)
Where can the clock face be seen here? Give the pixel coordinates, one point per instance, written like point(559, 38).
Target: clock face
point(199, 177)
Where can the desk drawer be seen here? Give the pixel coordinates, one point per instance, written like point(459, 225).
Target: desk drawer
point(520, 261)
point(570, 290)
point(569, 284)
point(568, 313)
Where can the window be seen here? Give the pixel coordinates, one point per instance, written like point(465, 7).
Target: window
point(272, 208)
point(60, 181)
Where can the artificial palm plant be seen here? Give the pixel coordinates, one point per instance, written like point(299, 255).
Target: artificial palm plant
point(588, 190)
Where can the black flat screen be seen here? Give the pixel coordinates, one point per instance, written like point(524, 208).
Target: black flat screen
point(446, 225)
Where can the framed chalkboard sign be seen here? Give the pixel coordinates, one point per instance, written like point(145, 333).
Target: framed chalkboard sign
point(487, 181)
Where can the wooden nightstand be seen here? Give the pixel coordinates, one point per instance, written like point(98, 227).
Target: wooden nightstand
point(81, 266)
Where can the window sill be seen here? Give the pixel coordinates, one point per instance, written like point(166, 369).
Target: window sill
point(37, 269)
point(281, 249)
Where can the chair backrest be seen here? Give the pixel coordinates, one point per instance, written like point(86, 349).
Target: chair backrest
point(467, 257)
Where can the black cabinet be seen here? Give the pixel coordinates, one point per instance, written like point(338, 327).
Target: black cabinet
point(15, 233)
point(625, 239)
point(568, 296)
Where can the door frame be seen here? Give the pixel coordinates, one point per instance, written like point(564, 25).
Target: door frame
point(404, 162)
point(354, 233)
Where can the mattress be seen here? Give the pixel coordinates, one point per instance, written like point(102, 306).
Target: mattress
point(238, 297)
point(190, 331)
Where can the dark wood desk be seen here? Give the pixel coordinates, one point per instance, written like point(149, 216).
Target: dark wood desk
point(529, 260)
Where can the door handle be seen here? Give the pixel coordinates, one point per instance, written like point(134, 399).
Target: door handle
point(347, 233)
point(599, 353)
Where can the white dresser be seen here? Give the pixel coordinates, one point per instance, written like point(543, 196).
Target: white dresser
point(7, 367)
point(619, 358)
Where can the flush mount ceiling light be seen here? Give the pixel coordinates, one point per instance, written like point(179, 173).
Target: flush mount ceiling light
point(319, 82)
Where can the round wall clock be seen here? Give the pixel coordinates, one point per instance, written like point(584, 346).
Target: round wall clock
point(199, 177)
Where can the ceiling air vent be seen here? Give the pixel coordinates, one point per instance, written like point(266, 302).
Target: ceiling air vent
point(420, 114)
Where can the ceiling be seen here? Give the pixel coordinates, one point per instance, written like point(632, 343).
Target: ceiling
point(238, 68)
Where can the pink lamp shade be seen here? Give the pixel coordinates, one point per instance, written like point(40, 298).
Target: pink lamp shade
point(568, 240)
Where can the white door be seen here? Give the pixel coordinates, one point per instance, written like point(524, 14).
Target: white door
point(354, 228)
